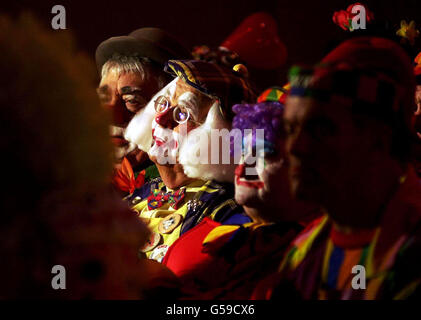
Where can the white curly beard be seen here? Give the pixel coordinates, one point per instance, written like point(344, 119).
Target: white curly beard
point(200, 139)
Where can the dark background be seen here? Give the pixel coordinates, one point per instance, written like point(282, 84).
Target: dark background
point(305, 27)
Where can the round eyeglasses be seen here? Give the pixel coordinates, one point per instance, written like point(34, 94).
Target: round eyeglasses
point(180, 113)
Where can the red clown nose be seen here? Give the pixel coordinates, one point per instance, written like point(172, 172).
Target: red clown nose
point(256, 41)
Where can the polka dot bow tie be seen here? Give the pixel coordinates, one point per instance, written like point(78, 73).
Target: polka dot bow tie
point(159, 197)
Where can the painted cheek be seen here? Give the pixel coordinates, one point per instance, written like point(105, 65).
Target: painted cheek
point(174, 142)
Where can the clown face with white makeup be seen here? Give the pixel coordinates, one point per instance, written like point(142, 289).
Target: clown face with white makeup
point(261, 177)
point(178, 110)
point(189, 107)
point(258, 173)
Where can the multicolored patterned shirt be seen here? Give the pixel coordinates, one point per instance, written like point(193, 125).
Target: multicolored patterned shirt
point(168, 221)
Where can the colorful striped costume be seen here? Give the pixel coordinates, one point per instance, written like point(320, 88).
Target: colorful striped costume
point(214, 261)
point(321, 261)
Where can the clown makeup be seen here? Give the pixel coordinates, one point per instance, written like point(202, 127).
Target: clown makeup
point(157, 134)
point(252, 163)
point(178, 112)
point(262, 186)
point(165, 144)
point(256, 181)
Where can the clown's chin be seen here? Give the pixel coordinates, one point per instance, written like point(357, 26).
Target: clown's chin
point(246, 196)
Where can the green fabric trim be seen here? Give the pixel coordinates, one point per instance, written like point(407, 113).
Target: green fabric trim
point(151, 172)
point(363, 257)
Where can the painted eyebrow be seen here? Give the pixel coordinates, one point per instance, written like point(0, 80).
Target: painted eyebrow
point(190, 101)
point(130, 90)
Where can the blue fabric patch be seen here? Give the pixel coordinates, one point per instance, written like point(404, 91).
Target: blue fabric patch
point(237, 219)
point(335, 263)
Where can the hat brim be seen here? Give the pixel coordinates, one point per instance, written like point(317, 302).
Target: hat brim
point(130, 46)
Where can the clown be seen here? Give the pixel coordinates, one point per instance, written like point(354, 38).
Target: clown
point(262, 171)
point(244, 254)
point(348, 126)
point(176, 130)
